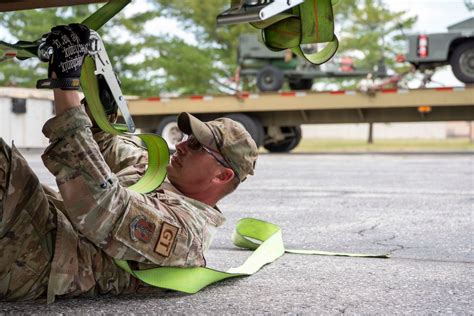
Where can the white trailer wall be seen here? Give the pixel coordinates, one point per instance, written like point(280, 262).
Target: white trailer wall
point(24, 128)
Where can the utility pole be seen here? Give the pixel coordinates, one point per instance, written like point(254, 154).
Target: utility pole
point(370, 140)
point(471, 132)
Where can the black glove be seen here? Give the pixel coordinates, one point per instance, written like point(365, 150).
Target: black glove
point(69, 45)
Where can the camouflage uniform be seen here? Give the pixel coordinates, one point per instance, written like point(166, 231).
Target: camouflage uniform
point(64, 244)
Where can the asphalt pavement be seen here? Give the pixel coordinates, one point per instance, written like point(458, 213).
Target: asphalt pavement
point(417, 208)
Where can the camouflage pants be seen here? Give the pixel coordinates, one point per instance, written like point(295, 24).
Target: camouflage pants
point(27, 226)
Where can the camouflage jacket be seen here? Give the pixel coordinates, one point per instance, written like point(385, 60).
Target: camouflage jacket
point(99, 219)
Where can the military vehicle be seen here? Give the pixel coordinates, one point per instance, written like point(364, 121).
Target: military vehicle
point(454, 47)
point(272, 68)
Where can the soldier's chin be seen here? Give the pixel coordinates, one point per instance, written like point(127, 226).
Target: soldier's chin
point(171, 171)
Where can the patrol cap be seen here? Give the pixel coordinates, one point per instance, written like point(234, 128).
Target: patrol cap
point(226, 137)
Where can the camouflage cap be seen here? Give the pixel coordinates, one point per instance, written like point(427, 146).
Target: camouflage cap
point(226, 137)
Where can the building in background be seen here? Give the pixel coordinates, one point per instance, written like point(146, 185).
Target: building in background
point(23, 113)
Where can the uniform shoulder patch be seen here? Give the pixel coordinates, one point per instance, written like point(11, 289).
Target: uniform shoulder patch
point(166, 240)
point(141, 229)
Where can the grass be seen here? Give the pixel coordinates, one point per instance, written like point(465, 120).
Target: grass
point(385, 145)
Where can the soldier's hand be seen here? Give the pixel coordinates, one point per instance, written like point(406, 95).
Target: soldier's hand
point(69, 47)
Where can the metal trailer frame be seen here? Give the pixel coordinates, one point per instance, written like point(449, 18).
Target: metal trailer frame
point(299, 107)
point(274, 119)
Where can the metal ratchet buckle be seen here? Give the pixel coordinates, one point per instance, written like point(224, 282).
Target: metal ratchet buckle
point(103, 68)
point(255, 10)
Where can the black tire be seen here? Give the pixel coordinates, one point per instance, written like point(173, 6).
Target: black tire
point(270, 78)
point(168, 129)
point(252, 125)
point(292, 139)
point(301, 84)
point(462, 62)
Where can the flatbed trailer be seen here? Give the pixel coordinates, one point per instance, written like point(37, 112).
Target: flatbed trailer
point(274, 119)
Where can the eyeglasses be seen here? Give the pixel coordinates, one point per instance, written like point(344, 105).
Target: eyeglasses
point(195, 145)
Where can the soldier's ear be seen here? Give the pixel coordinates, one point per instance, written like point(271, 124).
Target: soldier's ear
point(224, 176)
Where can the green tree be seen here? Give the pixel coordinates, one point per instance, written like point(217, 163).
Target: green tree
point(148, 62)
point(32, 24)
point(216, 50)
point(370, 31)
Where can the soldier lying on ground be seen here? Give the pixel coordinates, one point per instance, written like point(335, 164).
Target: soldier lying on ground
point(63, 244)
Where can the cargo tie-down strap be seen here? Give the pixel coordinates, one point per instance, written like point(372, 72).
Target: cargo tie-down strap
point(158, 153)
point(270, 248)
point(308, 23)
point(188, 280)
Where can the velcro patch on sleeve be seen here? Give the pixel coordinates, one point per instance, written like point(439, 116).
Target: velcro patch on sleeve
point(166, 240)
point(147, 231)
point(141, 229)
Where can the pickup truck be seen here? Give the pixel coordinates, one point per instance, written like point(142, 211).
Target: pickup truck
point(454, 47)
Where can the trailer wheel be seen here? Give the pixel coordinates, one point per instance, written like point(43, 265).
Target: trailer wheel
point(462, 62)
point(251, 124)
point(301, 84)
point(270, 78)
point(292, 137)
point(168, 129)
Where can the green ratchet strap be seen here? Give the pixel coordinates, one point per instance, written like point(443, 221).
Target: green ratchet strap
point(105, 13)
point(308, 23)
point(158, 153)
point(191, 280)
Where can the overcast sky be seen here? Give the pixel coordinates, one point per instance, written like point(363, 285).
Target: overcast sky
point(433, 15)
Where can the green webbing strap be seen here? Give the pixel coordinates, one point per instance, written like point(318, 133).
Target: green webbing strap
point(191, 280)
point(308, 23)
point(158, 153)
point(105, 13)
point(23, 50)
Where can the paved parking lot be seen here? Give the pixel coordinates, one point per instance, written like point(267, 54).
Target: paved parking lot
point(418, 208)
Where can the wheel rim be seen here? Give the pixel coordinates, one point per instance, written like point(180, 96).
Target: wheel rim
point(268, 79)
point(290, 141)
point(466, 63)
point(172, 135)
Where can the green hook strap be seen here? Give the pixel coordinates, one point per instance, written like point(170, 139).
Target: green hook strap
point(310, 22)
point(192, 280)
point(158, 152)
point(105, 13)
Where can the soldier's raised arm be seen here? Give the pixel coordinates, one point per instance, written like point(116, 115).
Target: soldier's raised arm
point(93, 198)
point(123, 223)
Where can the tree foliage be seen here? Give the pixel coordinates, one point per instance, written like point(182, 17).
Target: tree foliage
point(150, 62)
point(369, 31)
